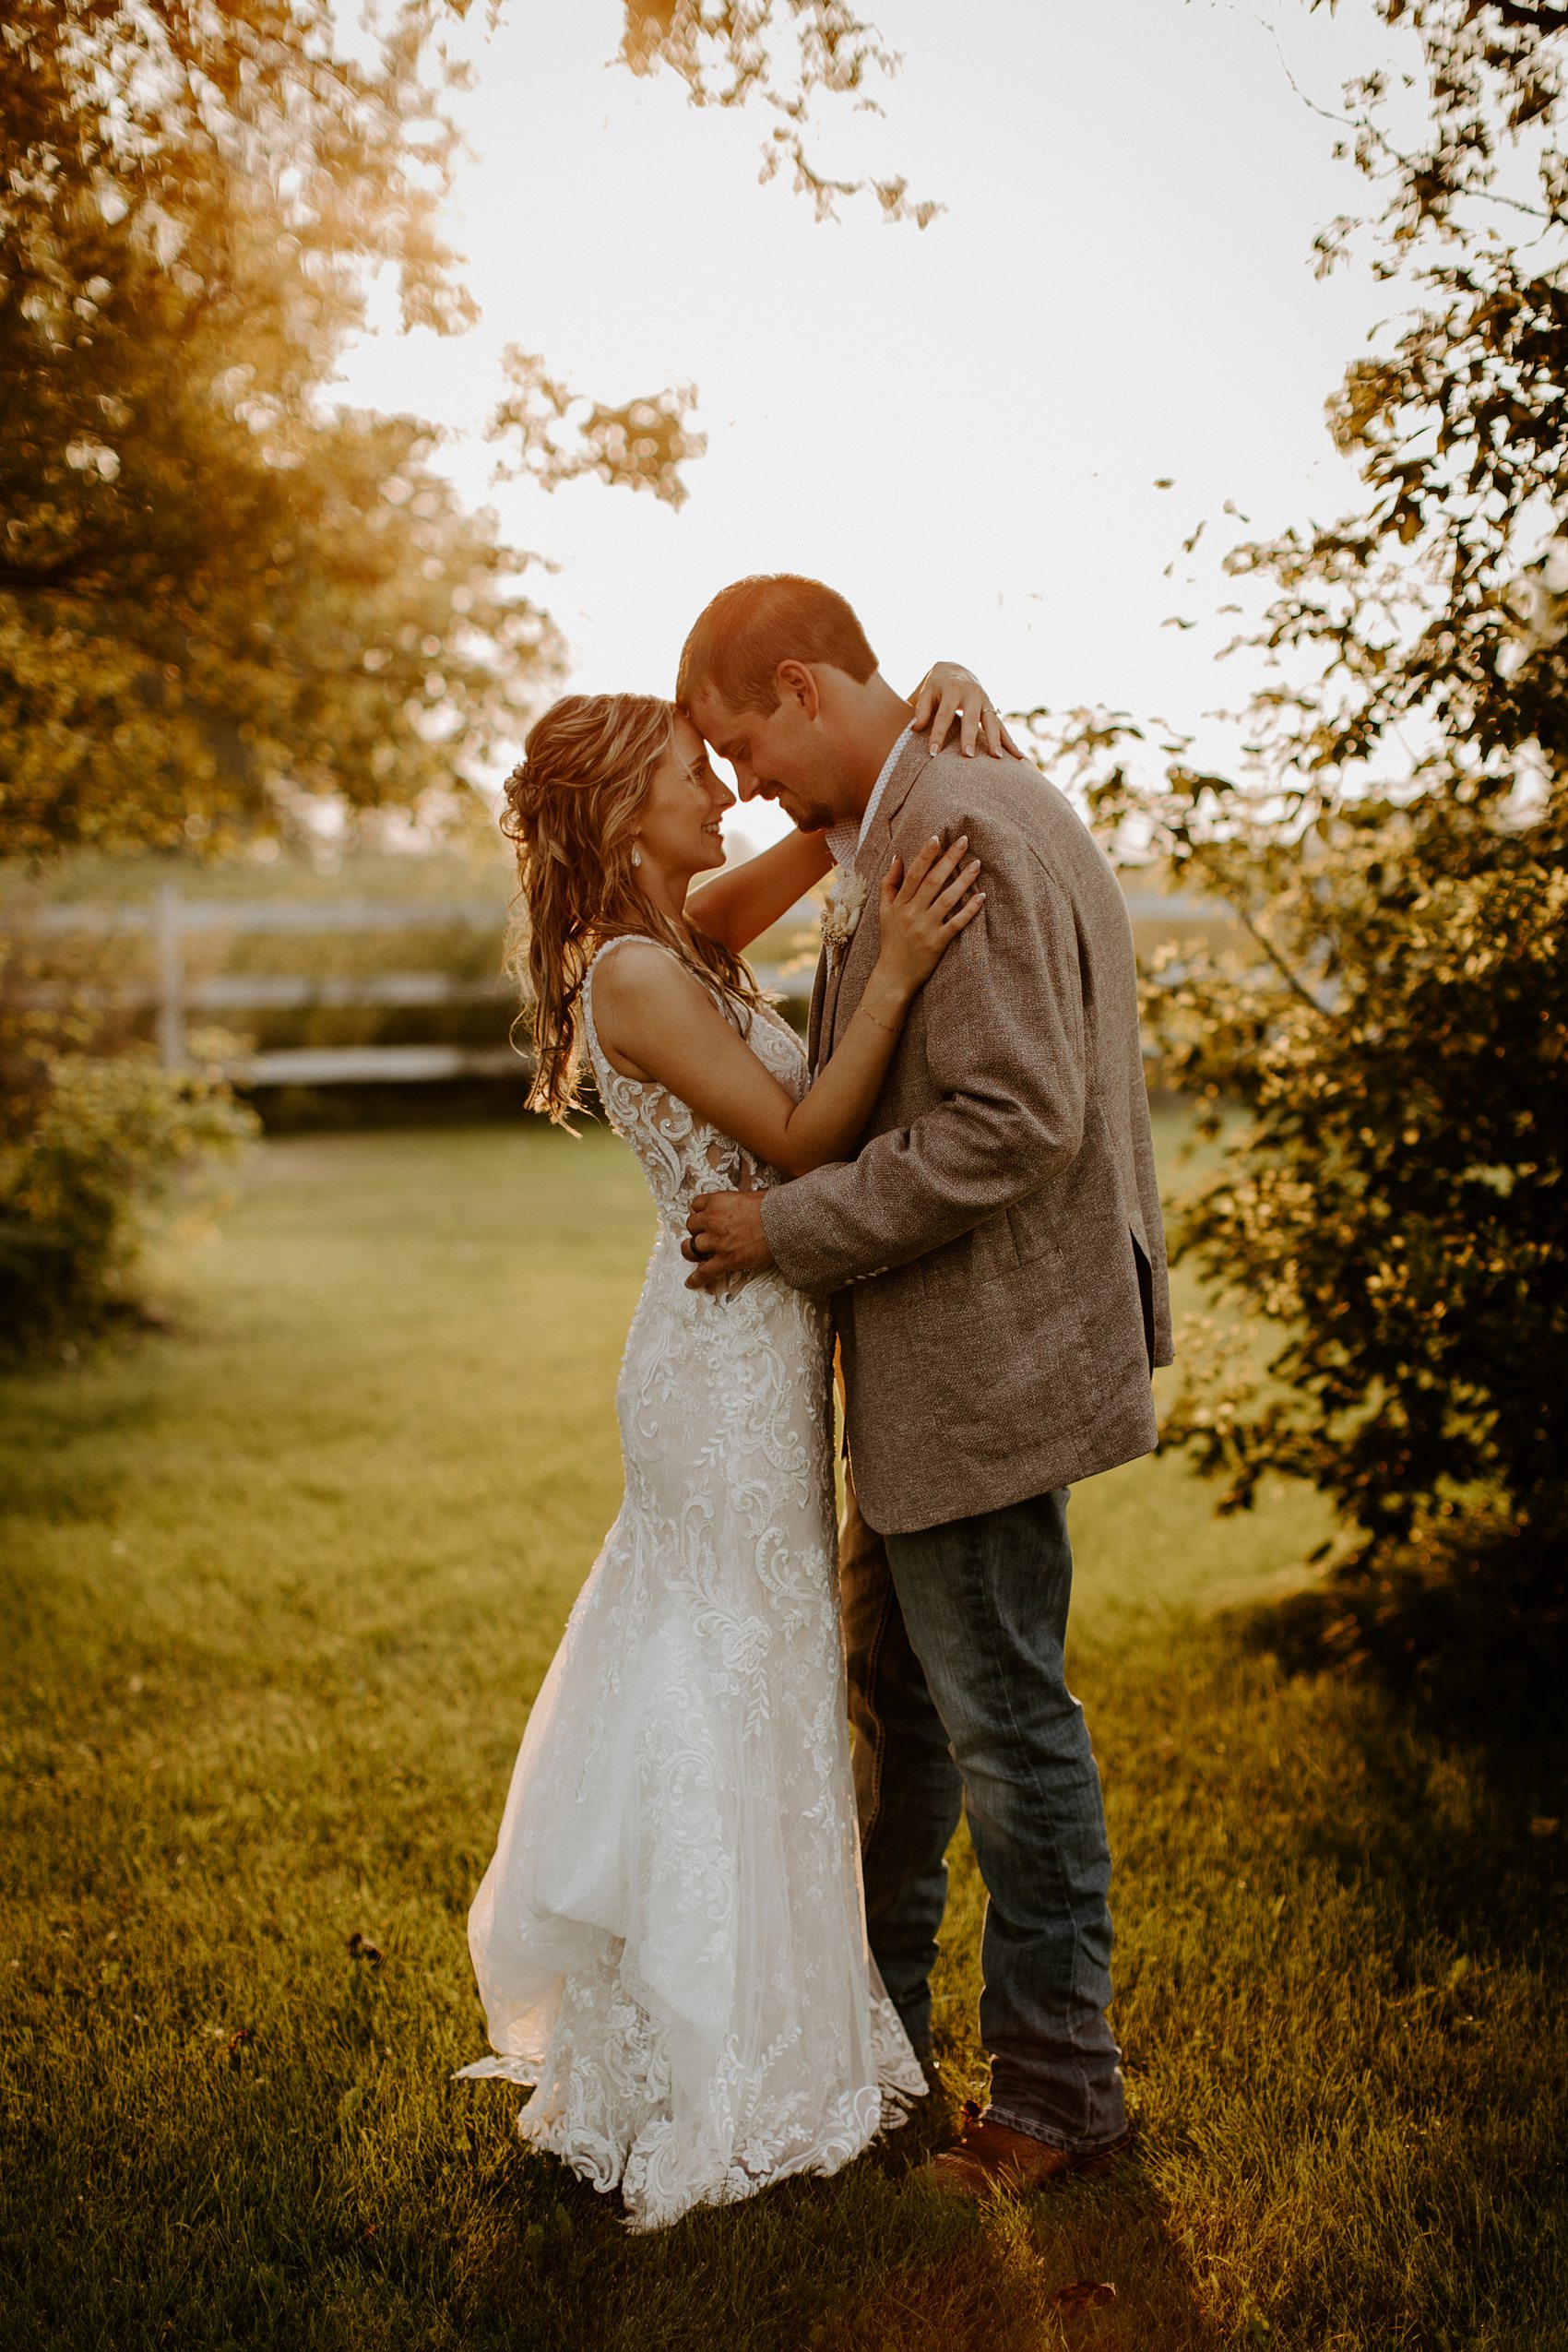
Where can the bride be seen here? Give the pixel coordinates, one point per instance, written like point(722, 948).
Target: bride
point(670, 1941)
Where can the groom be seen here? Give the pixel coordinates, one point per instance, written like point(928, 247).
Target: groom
point(996, 1265)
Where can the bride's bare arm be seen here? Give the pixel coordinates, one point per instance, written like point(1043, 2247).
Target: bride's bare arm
point(656, 1021)
point(743, 901)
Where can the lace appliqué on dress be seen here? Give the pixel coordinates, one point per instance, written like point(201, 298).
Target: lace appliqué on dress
point(670, 1940)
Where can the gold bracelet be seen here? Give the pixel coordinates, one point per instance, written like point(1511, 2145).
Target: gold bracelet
point(888, 1028)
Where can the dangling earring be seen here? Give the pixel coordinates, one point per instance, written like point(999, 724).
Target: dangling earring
point(636, 855)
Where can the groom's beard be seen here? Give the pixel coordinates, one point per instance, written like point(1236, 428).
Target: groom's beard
point(806, 816)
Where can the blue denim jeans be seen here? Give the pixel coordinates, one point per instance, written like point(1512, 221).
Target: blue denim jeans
point(958, 1698)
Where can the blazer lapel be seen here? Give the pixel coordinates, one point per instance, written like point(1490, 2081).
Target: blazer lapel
point(875, 851)
point(871, 863)
point(814, 1025)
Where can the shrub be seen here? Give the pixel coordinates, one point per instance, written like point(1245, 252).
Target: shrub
point(93, 1134)
point(1393, 843)
point(1391, 1196)
point(110, 1140)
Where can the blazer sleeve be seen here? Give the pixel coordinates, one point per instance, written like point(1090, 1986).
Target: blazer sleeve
point(1002, 1029)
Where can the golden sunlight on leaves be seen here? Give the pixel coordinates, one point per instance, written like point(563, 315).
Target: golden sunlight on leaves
point(215, 586)
point(641, 445)
point(728, 52)
point(1381, 1057)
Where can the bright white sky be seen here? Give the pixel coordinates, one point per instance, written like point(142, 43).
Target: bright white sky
point(961, 428)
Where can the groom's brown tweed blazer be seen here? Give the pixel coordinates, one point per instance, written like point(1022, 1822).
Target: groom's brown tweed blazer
point(994, 1256)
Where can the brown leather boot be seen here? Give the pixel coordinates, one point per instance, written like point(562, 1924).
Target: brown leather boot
point(987, 2158)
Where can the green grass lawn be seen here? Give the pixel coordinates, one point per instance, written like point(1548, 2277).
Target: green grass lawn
point(278, 1588)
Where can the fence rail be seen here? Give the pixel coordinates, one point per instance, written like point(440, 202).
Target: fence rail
point(173, 997)
point(173, 910)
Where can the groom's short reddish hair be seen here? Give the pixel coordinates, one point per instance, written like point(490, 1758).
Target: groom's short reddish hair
point(736, 644)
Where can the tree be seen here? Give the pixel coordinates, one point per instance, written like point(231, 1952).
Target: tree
point(210, 581)
point(220, 591)
point(215, 585)
point(727, 52)
point(1386, 1061)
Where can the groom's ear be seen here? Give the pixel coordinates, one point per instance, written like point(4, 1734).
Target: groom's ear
point(797, 682)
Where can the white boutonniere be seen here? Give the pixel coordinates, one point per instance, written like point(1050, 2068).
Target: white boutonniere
point(846, 901)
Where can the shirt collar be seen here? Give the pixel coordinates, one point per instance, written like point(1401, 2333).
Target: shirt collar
point(845, 840)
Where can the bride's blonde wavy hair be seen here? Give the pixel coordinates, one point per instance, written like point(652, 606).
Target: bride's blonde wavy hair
point(571, 808)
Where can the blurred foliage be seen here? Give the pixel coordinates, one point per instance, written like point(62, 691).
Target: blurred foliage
point(231, 611)
point(111, 1140)
point(1393, 1033)
point(213, 584)
point(643, 444)
point(727, 52)
point(217, 588)
point(94, 1136)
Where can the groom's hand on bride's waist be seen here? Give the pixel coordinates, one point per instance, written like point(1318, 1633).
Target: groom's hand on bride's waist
point(724, 1237)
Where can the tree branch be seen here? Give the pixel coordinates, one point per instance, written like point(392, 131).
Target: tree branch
point(1547, 19)
point(1298, 987)
point(1542, 17)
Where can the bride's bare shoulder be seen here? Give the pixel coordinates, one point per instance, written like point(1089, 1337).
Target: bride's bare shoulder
point(643, 985)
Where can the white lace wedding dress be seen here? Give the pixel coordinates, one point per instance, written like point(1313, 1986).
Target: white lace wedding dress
point(671, 1941)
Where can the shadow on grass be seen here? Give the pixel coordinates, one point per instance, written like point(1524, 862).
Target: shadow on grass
point(489, 2244)
point(1459, 1729)
point(871, 2258)
point(1056, 2270)
point(1469, 1622)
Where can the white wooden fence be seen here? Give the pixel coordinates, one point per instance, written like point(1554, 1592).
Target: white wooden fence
point(171, 919)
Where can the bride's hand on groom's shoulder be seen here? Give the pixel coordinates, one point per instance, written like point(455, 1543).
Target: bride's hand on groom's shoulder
point(922, 912)
point(948, 696)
